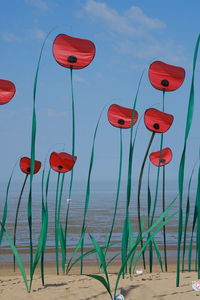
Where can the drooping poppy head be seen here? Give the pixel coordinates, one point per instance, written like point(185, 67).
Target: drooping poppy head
point(166, 77)
point(122, 117)
point(161, 158)
point(157, 121)
point(71, 52)
point(62, 162)
point(25, 165)
point(7, 91)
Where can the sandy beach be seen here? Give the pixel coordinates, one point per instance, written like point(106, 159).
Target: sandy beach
point(156, 285)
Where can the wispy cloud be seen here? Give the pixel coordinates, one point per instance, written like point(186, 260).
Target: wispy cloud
point(132, 22)
point(135, 33)
point(9, 37)
point(39, 4)
point(28, 34)
point(38, 34)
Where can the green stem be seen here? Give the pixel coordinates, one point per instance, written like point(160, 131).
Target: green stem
point(16, 216)
point(118, 189)
point(56, 224)
point(139, 191)
point(164, 229)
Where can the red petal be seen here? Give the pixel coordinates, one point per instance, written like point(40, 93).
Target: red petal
point(71, 52)
point(166, 77)
point(161, 158)
point(121, 117)
point(7, 91)
point(25, 165)
point(62, 162)
point(157, 121)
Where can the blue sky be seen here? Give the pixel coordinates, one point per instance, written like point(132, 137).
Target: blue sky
point(128, 35)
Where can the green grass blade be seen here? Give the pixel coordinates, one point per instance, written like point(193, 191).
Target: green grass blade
point(33, 139)
point(158, 254)
point(155, 224)
point(87, 196)
point(149, 222)
point(68, 268)
point(125, 235)
point(101, 257)
point(187, 213)
point(5, 209)
point(198, 224)
point(191, 240)
point(152, 236)
point(75, 251)
point(41, 245)
point(56, 225)
point(139, 192)
point(62, 244)
point(17, 256)
point(102, 280)
point(118, 189)
point(182, 162)
point(16, 216)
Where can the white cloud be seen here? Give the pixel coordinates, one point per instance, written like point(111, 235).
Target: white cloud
point(138, 16)
point(133, 22)
point(55, 113)
point(40, 4)
point(135, 33)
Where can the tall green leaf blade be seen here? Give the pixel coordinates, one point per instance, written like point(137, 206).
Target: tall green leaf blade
point(17, 256)
point(182, 162)
point(103, 281)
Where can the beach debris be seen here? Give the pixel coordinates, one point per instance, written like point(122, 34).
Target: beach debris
point(119, 297)
point(196, 285)
point(139, 272)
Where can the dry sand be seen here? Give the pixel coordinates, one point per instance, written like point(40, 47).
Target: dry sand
point(80, 287)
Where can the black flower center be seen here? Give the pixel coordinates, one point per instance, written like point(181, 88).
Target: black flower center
point(60, 167)
point(156, 126)
point(165, 82)
point(162, 160)
point(121, 121)
point(28, 169)
point(72, 59)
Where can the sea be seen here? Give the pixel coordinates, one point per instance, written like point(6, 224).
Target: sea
point(99, 217)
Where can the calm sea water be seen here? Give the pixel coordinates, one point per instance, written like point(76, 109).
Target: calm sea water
point(99, 218)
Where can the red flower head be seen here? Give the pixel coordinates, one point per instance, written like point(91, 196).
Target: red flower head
point(161, 158)
point(25, 165)
point(62, 162)
point(7, 91)
point(157, 121)
point(121, 117)
point(166, 77)
point(71, 52)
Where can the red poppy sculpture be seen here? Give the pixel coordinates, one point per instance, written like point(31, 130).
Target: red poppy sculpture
point(7, 91)
point(122, 117)
point(25, 165)
point(166, 77)
point(71, 52)
point(62, 162)
point(157, 121)
point(161, 158)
